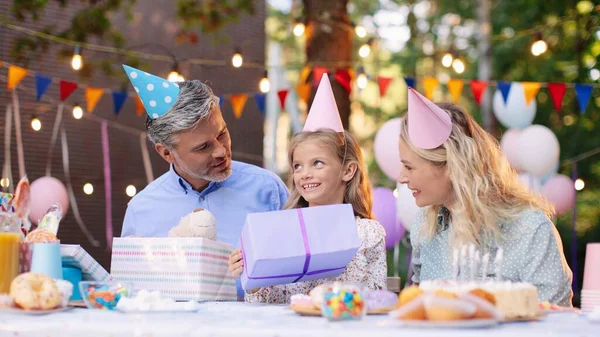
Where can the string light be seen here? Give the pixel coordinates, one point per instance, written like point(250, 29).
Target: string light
point(237, 60)
point(174, 75)
point(361, 80)
point(130, 191)
point(36, 124)
point(395, 193)
point(77, 60)
point(539, 46)
point(264, 85)
point(299, 28)
point(458, 65)
point(88, 188)
point(579, 184)
point(360, 31)
point(447, 60)
point(364, 50)
point(77, 112)
point(4, 182)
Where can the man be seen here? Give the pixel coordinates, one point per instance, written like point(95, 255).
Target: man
point(188, 131)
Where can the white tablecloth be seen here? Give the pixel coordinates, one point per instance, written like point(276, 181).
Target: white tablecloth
point(241, 319)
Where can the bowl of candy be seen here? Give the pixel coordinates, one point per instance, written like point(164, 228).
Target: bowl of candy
point(104, 295)
point(343, 302)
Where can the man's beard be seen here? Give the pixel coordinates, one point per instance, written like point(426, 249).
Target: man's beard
point(219, 177)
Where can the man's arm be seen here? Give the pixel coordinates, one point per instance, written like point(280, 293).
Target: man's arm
point(282, 193)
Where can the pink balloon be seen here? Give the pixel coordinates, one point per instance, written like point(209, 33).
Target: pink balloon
point(560, 191)
point(385, 147)
point(46, 191)
point(510, 146)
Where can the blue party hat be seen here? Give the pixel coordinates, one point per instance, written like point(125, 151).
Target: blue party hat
point(157, 94)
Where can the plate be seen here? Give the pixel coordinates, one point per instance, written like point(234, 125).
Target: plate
point(306, 311)
point(182, 309)
point(539, 317)
point(464, 324)
point(33, 312)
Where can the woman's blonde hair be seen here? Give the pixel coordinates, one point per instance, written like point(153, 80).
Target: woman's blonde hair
point(358, 189)
point(486, 189)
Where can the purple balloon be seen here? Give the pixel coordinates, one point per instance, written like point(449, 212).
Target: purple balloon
point(384, 208)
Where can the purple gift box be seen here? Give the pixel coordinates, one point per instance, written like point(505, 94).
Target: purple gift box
point(295, 245)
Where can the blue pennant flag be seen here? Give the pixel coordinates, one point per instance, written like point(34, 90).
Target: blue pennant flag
point(221, 101)
point(504, 88)
point(410, 81)
point(41, 85)
point(583, 93)
point(260, 102)
point(119, 98)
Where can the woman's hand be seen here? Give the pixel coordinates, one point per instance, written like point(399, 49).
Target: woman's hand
point(236, 263)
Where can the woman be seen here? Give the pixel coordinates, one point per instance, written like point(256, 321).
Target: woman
point(469, 194)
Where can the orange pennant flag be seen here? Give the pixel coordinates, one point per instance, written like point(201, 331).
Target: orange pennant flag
point(303, 90)
point(139, 106)
point(531, 90)
point(92, 96)
point(237, 102)
point(430, 83)
point(15, 76)
point(304, 75)
point(455, 87)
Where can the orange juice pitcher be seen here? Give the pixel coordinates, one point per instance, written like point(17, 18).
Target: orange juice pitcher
point(9, 258)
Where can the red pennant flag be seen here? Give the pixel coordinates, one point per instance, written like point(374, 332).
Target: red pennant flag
point(384, 83)
point(478, 88)
point(342, 76)
point(317, 74)
point(282, 96)
point(66, 89)
point(557, 92)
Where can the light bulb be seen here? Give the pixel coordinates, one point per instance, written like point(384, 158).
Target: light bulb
point(237, 60)
point(130, 190)
point(88, 188)
point(579, 184)
point(77, 112)
point(36, 124)
point(360, 31)
point(4, 182)
point(395, 193)
point(76, 62)
point(539, 47)
point(459, 66)
point(264, 85)
point(174, 76)
point(299, 29)
point(362, 81)
point(447, 60)
point(364, 50)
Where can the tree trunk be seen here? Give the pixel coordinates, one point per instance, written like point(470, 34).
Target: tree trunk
point(329, 44)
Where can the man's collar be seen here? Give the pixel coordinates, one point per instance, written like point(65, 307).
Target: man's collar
point(186, 186)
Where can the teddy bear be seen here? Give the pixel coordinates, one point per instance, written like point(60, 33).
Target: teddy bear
point(201, 223)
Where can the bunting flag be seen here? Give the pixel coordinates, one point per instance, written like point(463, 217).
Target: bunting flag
point(15, 76)
point(221, 101)
point(41, 85)
point(66, 89)
point(504, 88)
point(478, 88)
point(384, 83)
point(237, 102)
point(92, 97)
point(282, 94)
point(531, 90)
point(303, 90)
point(119, 99)
point(455, 87)
point(139, 106)
point(304, 74)
point(342, 76)
point(557, 92)
point(317, 73)
point(430, 84)
point(410, 81)
point(260, 100)
point(583, 93)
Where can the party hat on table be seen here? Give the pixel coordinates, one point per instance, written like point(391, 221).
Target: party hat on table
point(157, 94)
point(323, 111)
point(429, 126)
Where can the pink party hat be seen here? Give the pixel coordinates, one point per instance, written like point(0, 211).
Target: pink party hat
point(429, 126)
point(323, 111)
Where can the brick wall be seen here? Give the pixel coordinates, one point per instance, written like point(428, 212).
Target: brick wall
point(154, 22)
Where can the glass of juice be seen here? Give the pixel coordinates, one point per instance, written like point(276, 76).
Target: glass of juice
point(10, 239)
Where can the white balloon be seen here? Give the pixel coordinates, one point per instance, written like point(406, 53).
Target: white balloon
point(515, 113)
point(385, 147)
point(407, 208)
point(510, 146)
point(533, 183)
point(539, 150)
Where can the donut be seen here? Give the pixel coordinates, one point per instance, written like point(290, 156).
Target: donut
point(33, 291)
point(484, 308)
point(6, 301)
point(411, 311)
point(379, 299)
point(316, 295)
point(40, 236)
point(442, 308)
point(408, 294)
point(301, 301)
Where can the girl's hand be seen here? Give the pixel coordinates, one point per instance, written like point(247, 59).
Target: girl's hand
point(236, 263)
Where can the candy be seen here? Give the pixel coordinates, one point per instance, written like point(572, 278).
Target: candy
point(342, 302)
point(105, 297)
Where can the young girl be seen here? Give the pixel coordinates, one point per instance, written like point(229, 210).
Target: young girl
point(328, 168)
point(470, 194)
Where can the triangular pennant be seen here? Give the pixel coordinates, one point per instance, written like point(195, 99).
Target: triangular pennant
point(317, 73)
point(455, 87)
point(410, 82)
point(15, 76)
point(119, 99)
point(139, 106)
point(583, 93)
point(531, 90)
point(384, 83)
point(342, 76)
point(304, 75)
point(66, 89)
point(282, 94)
point(41, 85)
point(260, 99)
point(557, 92)
point(430, 84)
point(303, 90)
point(504, 88)
point(478, 88)
point(92, 96)
point(221, 101)
point(237, 102)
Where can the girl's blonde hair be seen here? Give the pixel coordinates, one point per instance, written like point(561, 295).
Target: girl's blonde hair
point(486, 189)
point(358, 189)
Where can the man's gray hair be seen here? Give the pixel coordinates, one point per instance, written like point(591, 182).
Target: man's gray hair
point(195, 102)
